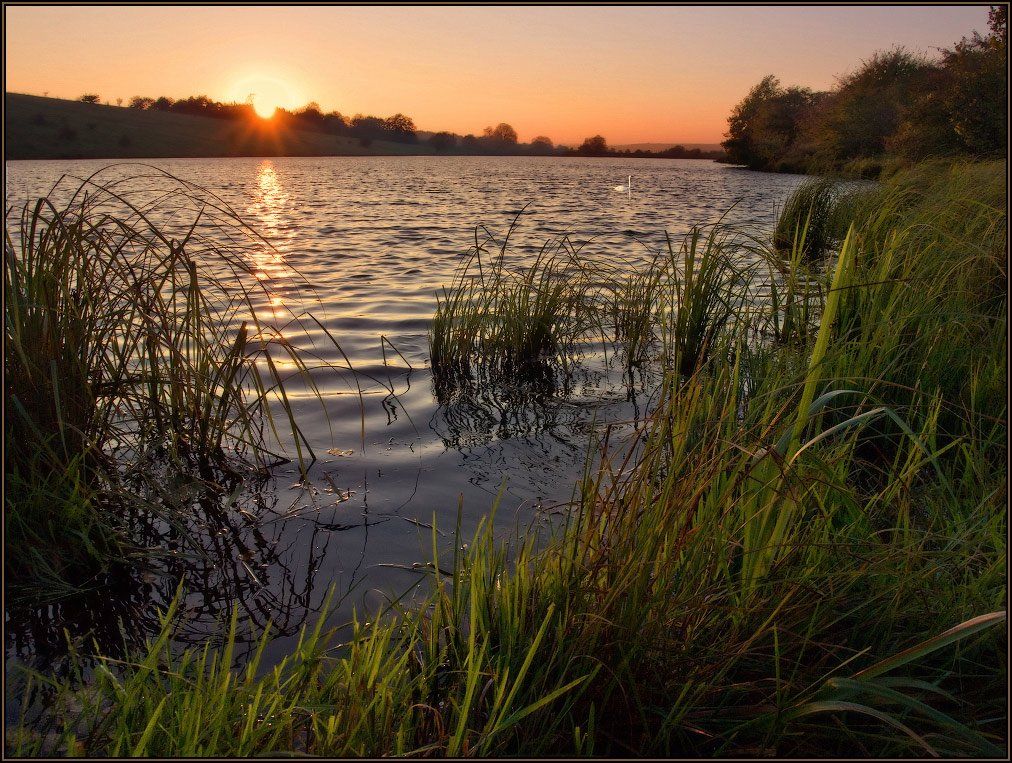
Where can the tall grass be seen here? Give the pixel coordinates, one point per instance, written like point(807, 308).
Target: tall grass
point(803, 556)
point(814, 218)
point(523, 321)
point(130, 347)
point(509, 318)
point(705, 293)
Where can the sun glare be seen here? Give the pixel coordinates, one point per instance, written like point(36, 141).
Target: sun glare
point(264, 109)
point(266, 94)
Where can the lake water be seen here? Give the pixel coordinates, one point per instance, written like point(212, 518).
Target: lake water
point(364, 244)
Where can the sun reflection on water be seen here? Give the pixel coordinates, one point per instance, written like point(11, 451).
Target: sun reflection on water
point(270, 212)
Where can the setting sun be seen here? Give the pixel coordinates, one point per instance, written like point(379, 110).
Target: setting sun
point(267, 94)
point(264, 109)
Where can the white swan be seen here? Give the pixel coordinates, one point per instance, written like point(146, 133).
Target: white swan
point(625, 188)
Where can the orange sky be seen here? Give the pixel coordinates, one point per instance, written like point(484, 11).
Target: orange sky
point(631, 74)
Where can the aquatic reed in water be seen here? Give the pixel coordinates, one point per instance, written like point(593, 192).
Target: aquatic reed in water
point(810, 220)
point(518, 321)
point(512, 320)
point(705, 287)
point(131, 338)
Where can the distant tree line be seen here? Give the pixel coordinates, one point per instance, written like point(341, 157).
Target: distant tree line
point(501, 139)
point(398, 128)
point(897, 106)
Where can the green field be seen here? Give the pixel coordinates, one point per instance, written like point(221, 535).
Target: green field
point(52, 128)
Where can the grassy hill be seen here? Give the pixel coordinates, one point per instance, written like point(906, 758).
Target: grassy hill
point(52, 128)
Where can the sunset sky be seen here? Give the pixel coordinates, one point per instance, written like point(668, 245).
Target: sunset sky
point(630, 74)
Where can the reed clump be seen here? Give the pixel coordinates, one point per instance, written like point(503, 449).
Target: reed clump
point(706, 285)
point(528, 322)
point(803, 555)
point(811, 219)
point(132, 345)
point(505, 319)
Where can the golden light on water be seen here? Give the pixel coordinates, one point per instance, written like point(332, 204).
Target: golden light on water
point(269, 212)
point(270, 200)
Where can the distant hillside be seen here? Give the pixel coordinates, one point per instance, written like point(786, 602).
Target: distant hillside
point(52, 128)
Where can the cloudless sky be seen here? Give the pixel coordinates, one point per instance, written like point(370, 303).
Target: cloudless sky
point(632, 74)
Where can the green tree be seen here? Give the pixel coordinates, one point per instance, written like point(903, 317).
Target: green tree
point(976, 97)
point(869, 104)
point(926, 127)
point(777, 124)
point(740, 139)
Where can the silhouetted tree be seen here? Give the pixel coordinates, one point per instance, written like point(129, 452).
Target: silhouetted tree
point(140, 102)
point(199, 105)
point(89, 98)
point(311, 115)
point(541, 146)
point(502, 135)
point(401, 128)
point(596, 146)
point(398, 128)
point(335, 122)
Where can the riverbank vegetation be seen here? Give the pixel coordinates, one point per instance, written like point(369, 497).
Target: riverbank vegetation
point(801, 551)
point(897, 108)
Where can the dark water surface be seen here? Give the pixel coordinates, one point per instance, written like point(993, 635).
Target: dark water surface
point(364, 244)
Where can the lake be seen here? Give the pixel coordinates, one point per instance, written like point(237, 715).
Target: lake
point(364, 244)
